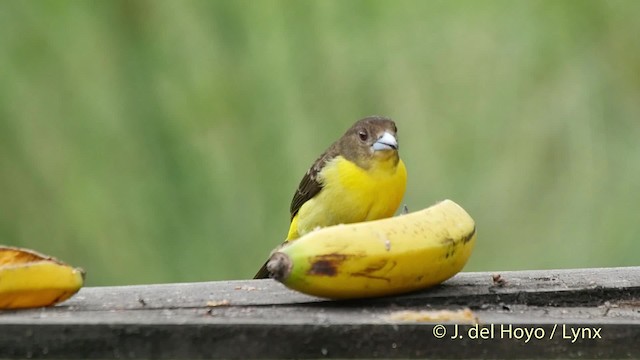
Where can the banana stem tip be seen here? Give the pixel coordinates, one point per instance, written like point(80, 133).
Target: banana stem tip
point(279, 266)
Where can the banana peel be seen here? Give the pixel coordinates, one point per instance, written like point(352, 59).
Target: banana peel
point(29, 279)
point(384, 257)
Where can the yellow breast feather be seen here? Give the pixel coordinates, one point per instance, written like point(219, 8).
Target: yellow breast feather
point(352, 194)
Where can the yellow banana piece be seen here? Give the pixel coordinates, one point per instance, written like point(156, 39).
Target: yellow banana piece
point(376, 258)
point(29, 279)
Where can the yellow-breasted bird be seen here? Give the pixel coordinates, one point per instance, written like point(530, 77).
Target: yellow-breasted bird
point(358, 178)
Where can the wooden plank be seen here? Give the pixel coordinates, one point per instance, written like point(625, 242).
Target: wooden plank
point(585, 287)
point(262, 318)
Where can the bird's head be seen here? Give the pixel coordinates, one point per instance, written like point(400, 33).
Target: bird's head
point(371, 138)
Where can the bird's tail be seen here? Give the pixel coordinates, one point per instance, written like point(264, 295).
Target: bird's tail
point(263, 273)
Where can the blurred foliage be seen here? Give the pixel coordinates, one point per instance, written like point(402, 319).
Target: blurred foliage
point(157, 141)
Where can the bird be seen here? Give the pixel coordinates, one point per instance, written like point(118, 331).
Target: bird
point(360, 177)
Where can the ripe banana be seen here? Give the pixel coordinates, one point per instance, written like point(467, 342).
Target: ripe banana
point(29, 279)
point(376, 258)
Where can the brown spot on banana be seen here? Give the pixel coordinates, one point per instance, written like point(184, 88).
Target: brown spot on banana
point(467, 238)
point(374, 267)
point(367, 272)
point(327, 265)
point(323, 267)
point(447, 241)
point(371, 277)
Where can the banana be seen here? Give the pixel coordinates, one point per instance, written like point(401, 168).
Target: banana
point(29, 279)
point(376, 258)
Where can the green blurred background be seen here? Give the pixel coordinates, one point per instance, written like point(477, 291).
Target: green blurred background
point(158, 141)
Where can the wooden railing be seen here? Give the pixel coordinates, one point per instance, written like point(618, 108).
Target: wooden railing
point(591, 313)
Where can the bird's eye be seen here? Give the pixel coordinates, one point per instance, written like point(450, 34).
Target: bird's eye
point(363, 135)
point(395, 129)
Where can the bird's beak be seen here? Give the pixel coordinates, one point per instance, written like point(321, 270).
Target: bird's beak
point(386, 142)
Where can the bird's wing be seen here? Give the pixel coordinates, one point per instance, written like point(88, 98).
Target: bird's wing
point(310, 184)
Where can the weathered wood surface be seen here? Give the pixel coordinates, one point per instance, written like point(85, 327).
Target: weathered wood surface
point(263, 319)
